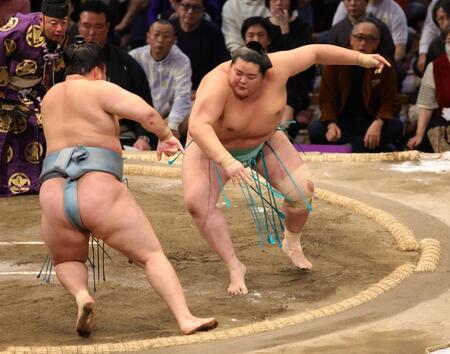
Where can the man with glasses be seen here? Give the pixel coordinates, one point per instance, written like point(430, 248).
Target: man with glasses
point(201, 40)
point(30, 63)
point(356, 12)
point(391, 14)
point(358, 107)
point(121, 68)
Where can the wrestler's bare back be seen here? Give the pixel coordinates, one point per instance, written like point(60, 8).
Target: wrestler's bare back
point(252, 120)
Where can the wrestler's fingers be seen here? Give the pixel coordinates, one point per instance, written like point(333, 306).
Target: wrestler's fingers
point(248, 178)
point(383, 60)
point(158, 155)
point(180, 147)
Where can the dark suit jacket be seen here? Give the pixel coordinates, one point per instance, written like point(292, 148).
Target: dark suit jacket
point(379, 92)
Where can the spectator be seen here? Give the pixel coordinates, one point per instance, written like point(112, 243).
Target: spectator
point(441, 17)
point(288, 32)
point(433, 125)
point(166, 9)
point(305, 11)
point(234, 13)
point(168, 71)
point(121, 68)
point(430, 31)
point(30, 63)
point(132, 25)
point(358, 106)
point(356, 12)
point(392, 15)
point(323, 12)
point(201, 40)
point(9, 8)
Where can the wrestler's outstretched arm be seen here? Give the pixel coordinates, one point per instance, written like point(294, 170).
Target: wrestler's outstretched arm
point(299, 59)
point(125, 104)
point(209, 104)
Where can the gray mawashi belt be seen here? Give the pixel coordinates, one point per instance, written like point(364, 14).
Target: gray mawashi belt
point(72, 163)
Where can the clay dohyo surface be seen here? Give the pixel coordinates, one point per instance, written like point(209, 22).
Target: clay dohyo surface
point(348, 251)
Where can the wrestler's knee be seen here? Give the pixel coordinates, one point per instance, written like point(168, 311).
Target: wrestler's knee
point(296, 203)
point(298, 188)
point(195, 209)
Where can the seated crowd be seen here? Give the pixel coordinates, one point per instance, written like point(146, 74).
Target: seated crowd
point(161, 50)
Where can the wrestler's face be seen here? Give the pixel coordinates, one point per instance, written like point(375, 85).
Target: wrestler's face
point(258, 34)
point(365, 38)
point(161, 38)
point(93, 27)
point(54, 28)
point(245, 78)
point(355, 8)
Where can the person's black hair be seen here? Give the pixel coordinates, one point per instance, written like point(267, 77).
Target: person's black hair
point(96, 6)
point(81, 58)
point(441, 4)
point(254, 53)
point(293, 4)
point(256, 21)
point(368, 20)
point(163, 21)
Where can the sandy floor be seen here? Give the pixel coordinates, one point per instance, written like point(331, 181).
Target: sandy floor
point(349, 253)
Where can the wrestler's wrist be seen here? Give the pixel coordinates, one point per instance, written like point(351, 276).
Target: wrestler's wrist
point(226, 160)
point(364, 60)
point(167, 134)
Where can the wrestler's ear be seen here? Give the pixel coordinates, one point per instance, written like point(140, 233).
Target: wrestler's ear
point(99, 73)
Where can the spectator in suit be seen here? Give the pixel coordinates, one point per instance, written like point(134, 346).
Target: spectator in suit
point(201, 40)
point(121, 68)
point(359, 107)
point(357, 12)
point(391, 14)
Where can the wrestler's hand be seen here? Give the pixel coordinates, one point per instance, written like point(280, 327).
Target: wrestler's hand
point(372, 61)
point(235, 171)
point(168, 147)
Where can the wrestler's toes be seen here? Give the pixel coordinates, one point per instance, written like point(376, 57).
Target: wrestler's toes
point(200, 324)
point(237, 290)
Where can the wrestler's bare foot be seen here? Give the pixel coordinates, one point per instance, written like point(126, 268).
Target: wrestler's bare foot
point(196, 324)
point(237, 280)
point(85, 318)
point(296, 255)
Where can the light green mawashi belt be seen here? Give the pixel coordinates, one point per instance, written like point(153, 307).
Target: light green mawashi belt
point(74, 162)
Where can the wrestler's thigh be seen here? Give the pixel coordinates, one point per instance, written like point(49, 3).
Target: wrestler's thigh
point(199, 179)
point(111, 212)
point(64, 242)
point(286, 153)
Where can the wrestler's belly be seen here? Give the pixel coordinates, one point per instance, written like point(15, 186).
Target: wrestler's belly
point(245, 142)
point(235, 136)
